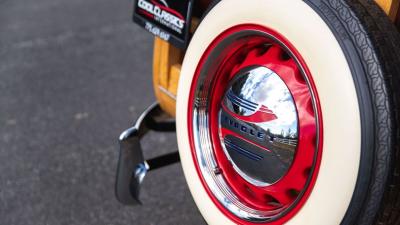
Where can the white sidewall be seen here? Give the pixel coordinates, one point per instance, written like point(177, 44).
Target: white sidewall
point(311, 36)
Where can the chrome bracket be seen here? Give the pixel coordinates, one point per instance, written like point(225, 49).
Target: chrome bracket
point(132, 167)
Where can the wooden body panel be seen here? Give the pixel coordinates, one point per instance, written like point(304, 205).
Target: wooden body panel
point(390, 7)
point(167, 61)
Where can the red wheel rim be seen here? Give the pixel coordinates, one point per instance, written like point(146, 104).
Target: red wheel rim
point(241, 48)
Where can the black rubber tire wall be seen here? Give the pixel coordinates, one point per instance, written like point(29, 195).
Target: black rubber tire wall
point(363, 29)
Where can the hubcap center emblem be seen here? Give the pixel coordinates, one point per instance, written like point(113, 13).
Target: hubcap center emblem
point(258, 125)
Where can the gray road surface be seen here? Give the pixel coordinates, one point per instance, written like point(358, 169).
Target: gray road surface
point(73, 75)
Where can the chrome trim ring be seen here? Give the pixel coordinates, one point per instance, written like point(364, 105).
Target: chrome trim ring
point(204, 148)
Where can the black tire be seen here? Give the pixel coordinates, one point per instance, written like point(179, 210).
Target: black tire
point(377, 42)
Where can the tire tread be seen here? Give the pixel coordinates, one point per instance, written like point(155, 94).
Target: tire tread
point(378, 45)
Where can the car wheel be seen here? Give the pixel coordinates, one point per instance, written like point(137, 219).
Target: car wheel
point(287, 112)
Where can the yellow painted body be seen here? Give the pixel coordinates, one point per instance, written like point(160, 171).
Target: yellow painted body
point(391, 7)
point(167, 62)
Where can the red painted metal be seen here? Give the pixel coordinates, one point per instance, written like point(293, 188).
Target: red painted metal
point(261, 115)
point(293, 189)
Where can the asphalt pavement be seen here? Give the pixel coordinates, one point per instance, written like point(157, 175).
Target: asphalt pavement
point(73, 75)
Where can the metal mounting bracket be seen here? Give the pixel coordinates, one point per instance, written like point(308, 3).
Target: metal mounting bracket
point(132, 167)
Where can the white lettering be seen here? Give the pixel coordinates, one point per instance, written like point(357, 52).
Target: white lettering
point(162, 16)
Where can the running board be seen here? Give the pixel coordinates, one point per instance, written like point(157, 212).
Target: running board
point(132, 167)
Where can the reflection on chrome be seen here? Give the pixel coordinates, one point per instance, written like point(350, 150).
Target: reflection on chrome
point(261, 88)
point(259, 109)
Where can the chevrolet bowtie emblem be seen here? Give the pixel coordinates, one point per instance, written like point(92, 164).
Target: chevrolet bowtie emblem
point(258, 112)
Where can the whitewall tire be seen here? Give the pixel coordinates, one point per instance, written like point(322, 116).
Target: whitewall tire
point(341, 80)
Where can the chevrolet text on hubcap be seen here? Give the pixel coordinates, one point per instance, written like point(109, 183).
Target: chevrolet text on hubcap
point(258, 126)
point(254, 125)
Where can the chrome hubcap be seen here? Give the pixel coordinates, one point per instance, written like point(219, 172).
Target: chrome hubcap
point(259, 126)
